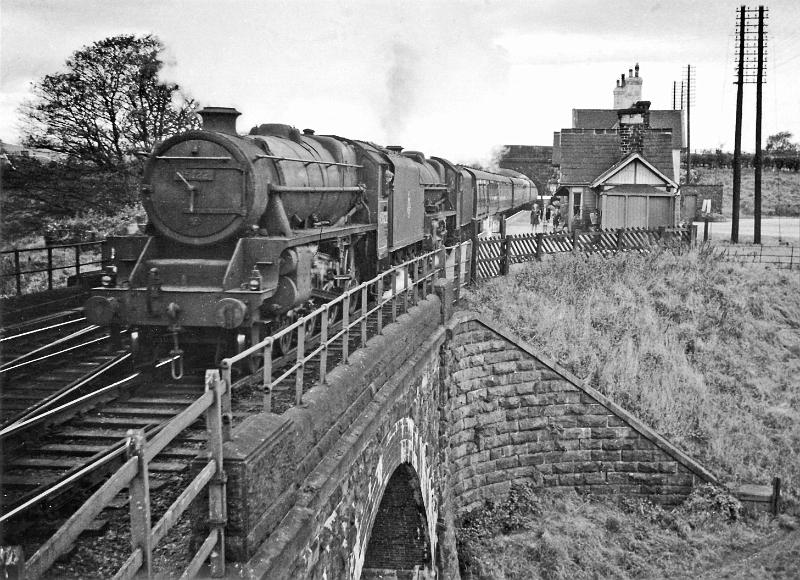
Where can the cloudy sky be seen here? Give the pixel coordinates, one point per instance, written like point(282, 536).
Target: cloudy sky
point(450, 78)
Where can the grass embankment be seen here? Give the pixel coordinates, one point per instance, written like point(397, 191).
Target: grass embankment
point(706, 352)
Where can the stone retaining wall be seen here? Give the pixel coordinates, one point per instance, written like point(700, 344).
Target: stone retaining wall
point(516, 416)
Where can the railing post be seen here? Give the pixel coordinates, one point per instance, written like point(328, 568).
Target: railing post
point(49, 268)
point(323, 341)
point(139, 493)
point(457, 273)
point(364, 317)
point(574, 240)
point(380, 305)
point(441, 257)
point(473, 262)
point(620, 239)
point(78, 262)
point(301, 354)
point(267, 376)
point(345, 328)
point(217, 508)
point(538, 238)
point(227, 415)
point(394, 295)
point(504, 259)
point(405, 289)
point(17, 273)
point(425, 271)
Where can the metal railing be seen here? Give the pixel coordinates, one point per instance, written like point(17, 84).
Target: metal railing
point(134, 475)
point(358, 307)
point(47, 260)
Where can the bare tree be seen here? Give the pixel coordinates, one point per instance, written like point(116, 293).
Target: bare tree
point(108, 103)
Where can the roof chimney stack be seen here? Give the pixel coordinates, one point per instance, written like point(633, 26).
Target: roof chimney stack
point(637, 70)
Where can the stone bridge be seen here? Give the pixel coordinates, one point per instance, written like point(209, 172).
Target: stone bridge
point(431, 419)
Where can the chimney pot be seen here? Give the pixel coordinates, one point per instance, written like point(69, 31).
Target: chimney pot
point(637, 69)
point(630, 73)
point(394, 148)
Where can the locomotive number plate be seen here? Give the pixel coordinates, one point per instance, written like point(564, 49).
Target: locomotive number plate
point(196, 175)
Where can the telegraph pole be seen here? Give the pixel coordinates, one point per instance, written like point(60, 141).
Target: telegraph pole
point(749, 70)
point(689, 73)
point(757, 161)
point(737, 148)
point(674, 94)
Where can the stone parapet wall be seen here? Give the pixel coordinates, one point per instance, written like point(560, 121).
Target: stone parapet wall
point(515, 416)
point(270, 455)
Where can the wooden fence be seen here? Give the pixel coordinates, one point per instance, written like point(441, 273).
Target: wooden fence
point(495, 254)
point(215, 405)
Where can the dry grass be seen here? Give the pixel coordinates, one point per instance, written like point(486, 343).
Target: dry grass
point(708, 353)
point(564, 536)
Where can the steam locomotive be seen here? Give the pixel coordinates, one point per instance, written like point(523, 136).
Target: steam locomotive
point(246, 233)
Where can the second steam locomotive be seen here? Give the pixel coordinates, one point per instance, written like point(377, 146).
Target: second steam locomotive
point(246, 233)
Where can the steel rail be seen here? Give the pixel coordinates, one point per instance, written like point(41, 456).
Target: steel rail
point(67, 390)
point(54, 354)
point(43, 329)
point(5, 366)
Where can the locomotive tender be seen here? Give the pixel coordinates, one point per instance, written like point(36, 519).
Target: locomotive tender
point(247, 232)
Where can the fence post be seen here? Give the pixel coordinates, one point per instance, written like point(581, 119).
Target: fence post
point(473, 261)
point(227, 415)
point(49, 268)
point(620, 239)
point(538, 238)
point(363, 317)
point(17, 273)
point(346, 326)
point(301, 354)
point(504, 259)
point(574, 240)
point(776, 496)
point(267, 376)
point(457, 273)
point(217, 508)
point(78, 262)
point(380, 310)
point(323, 343)
point(693, 236)
point(139, 493)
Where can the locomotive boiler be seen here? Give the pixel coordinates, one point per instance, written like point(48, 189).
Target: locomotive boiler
point(246, 233)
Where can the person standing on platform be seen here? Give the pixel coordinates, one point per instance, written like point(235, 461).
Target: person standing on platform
point(536, 218)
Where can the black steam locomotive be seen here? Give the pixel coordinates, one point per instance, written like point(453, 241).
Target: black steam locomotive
point(247, 232)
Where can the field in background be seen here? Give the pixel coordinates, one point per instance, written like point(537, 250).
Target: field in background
point(706, 352)
point(780, 190)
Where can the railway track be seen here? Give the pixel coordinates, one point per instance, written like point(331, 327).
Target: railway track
point(43, 359)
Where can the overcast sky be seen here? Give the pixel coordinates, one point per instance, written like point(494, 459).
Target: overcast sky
point(450, 78)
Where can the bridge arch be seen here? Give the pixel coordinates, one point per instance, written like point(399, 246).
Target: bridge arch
point(402, 479)
point(399, 538)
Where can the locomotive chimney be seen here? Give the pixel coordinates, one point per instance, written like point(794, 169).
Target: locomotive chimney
point(220, 119)
point(394, 148)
